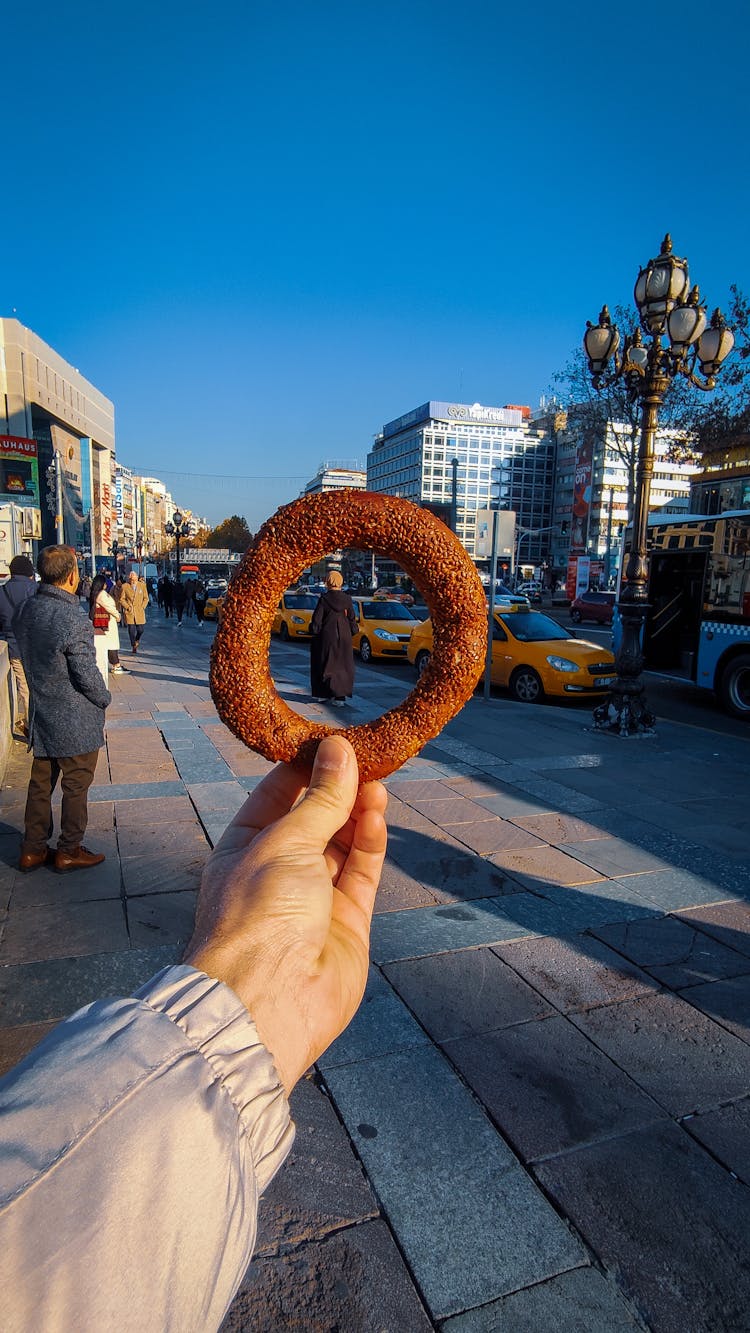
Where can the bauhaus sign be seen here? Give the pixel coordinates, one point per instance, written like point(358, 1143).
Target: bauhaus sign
point(19, 471)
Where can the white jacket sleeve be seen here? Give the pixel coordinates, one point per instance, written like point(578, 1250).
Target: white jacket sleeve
point(135, 1142)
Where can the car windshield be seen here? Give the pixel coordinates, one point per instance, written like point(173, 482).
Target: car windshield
point(533, 627)
point(385, 611)
point(300, 602)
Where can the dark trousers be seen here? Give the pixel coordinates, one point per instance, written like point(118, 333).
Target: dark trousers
point(113, 657)
point(77, 775)
point(135, 632)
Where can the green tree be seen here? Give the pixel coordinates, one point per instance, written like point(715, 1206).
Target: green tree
point(719, 418)
point(232, 533)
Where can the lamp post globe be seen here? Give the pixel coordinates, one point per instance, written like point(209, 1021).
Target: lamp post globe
point(666, 305)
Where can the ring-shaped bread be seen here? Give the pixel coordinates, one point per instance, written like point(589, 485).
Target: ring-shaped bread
point(299, 534)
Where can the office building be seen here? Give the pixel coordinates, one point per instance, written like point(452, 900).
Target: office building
point(47, 408)
point(336, 477)
point(723, 481)
point(590, 509)
point(457, 458)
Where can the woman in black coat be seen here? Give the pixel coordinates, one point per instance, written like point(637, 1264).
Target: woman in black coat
point(331, 654)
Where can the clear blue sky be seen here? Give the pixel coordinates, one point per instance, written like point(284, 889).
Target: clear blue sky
point(264, 229)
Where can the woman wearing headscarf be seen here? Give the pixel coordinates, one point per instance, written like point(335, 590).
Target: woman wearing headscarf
point(331, 654)
point(102, 608)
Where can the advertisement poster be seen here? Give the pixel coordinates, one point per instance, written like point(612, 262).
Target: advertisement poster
point(579, 528)
point(19, 471)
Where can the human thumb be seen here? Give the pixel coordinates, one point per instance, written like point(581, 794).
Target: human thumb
point(330, 796)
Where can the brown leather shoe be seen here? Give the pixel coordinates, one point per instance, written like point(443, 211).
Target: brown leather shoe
point(33, 860)
point(79, 858)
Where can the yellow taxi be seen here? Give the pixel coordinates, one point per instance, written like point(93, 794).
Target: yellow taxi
point(213, 608)
point(533, 656)
point(293, 615)
point(385, 628)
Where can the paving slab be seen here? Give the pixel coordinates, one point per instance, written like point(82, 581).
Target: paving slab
point(556, 828)
point(449, 1185)
point(614, 856)
point(726, 1134)
point(160, 810)
point(210, 796)
point(575, 973)
point(548, 1089)
point(398, 890)
point(449, 870)
point(140, 791)
point(728, 1002)
point(168, 873)
point(64, 930)
point(673, 952)
point(671, 1222)
point(381, 1026)
point(493, 834)
point(465, 993)
point(322, 1186)
point(56, 987)
point(164, 839)
point(727, 922)
point(429, 930)
point(580, 1301)
point(541, 866)
point(354, 1280)
point(684, 1060)
point(607, 901)
point(161, 918)
point(16, 1042)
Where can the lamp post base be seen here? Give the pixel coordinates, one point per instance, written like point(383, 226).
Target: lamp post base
point(625, 711)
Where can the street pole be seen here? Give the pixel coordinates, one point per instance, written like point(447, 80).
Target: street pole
point(491, 614)
point(454, 496)
point(59, 521)
point(696, 350)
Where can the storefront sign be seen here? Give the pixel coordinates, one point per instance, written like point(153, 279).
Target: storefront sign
point(19, 471)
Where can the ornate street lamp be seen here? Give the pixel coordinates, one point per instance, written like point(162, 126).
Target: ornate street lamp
point(179, 527)
point(666, 304)
point(115, 550)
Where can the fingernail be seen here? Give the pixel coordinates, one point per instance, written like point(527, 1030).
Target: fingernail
point(331, 758)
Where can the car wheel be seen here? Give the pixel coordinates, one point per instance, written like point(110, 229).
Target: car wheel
point(284, 631)
point(422, 661)
point(365, 651)
point(734, 688)
point(526, 686)
point(576, 617)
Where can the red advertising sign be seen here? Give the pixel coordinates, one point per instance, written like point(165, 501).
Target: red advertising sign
point(579, 528)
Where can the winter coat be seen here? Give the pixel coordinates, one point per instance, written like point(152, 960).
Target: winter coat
point(133, 603)
point(111, 636)
point(331, 654)
point(67, 694)
point(12, 595)
point(135, 1141)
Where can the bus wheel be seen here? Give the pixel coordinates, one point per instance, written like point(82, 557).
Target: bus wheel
point(734, 687)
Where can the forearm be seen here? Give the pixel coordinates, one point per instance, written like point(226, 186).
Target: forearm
point(136, 1141)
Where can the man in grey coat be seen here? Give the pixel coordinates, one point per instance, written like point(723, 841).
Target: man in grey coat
point(66, 718)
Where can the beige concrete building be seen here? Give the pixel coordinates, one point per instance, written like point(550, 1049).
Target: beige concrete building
point(48, 408)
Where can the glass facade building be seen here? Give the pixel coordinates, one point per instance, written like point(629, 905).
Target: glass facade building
point(501, 460)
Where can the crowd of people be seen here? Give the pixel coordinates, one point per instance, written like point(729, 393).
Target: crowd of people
point(178, 598)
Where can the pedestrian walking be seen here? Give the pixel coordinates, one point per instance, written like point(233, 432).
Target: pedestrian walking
point(20, 586)
point(167, 595)
point(133, 603)
point(179, 597)
point(189, 591)
point(105, 618)
point(67, 698)
point(199, 600)
point(331, 654)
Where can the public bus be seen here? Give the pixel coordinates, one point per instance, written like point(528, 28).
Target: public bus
point(698, 623)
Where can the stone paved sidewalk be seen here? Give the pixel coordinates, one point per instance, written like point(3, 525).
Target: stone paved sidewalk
point(540, 1115)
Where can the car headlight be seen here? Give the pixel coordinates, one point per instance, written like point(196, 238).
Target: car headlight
point(298, 620)
point(386, 634)
point(562, 663)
